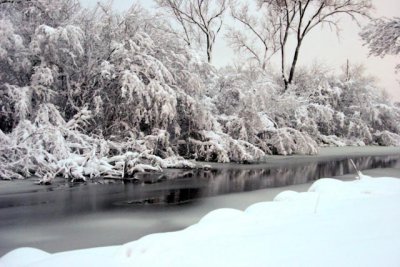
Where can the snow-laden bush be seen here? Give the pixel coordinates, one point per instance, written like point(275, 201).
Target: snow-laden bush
point(341, 110)
point(89, 93)
point(50, 146)
point(316, 119)
point(386, 138)
point(331, 140)
point(221, 147)
point(259, 115)
point(106, 95)
point(287, 141)
point(326, 108)
point(385, 117)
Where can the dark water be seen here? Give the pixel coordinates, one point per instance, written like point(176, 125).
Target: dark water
point(181, 187)
point(67, 216)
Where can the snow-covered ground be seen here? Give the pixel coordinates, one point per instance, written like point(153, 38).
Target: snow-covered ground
point(335, 223)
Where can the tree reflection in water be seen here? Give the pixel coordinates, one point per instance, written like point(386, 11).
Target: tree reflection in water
point(172, 187)
point(185, 186)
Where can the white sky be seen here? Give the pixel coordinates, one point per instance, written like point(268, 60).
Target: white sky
point(322, 46)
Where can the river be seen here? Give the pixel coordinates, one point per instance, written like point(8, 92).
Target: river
point(66, 216)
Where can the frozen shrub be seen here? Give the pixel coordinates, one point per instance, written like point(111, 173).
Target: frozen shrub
point(331, 140)
point(91, 93)
point(288, 141)
point(221, 147)
point(387, 138)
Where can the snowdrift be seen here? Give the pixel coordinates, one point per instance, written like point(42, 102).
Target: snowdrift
point(335, 223)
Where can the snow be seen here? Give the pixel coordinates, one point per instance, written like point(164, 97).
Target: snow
point(335, 223)
point(387, 138)
point(224, 148)
point(122, 83)
point(25, 256)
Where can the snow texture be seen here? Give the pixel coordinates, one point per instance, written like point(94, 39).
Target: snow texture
point(335, 223)
point(93, 93)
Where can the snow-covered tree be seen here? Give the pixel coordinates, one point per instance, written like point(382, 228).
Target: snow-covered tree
point(298, 18)
point(88, 93)
point(382, 36)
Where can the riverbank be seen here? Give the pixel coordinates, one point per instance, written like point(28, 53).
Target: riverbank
point(325, 153)
point(335, 223)
point(66, 216)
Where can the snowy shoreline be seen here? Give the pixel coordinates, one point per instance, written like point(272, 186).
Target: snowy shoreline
point(116, 123)
point(174, 219)
point(349, 151)
point(325, 153)
point(335, 223)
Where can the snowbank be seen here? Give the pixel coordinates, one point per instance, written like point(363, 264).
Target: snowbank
point(335, 223)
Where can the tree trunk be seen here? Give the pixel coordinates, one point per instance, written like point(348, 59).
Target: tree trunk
point(209, 56)
point(283, 67)
point(294, 62)
point(209, 49)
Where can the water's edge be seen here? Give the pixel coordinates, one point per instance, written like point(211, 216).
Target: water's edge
point(67, 216)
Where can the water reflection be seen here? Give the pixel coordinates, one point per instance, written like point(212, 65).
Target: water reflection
point(186, 186)
point(172, 187)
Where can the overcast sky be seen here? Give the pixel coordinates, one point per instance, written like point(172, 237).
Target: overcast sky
point(323, 46)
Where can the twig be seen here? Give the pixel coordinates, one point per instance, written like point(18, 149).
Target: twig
point(355, 167)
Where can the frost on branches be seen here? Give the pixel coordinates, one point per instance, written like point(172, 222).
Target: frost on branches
point(382, 37)
point(91, 93)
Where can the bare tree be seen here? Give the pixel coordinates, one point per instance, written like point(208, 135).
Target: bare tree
point(255, 37)
point(197, 17)
point(299, 17)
